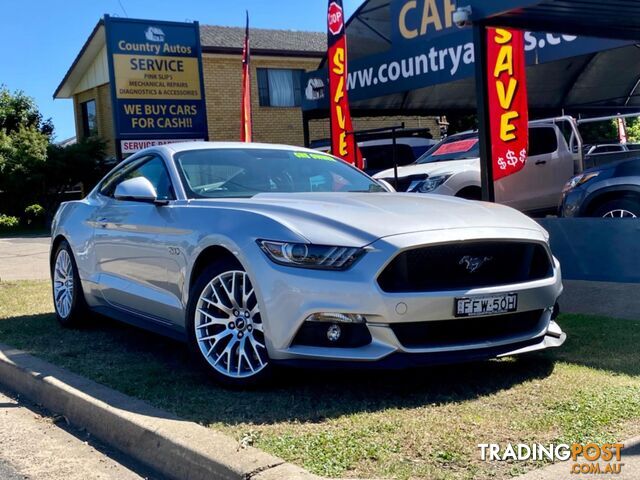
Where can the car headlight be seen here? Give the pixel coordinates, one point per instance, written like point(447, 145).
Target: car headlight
point(579, 180)
point(431, 183)
point(323, 257)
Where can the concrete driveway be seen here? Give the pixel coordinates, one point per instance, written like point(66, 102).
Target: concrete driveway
point(25, 258)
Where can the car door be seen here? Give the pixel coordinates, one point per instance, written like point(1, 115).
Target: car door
point(135, 244)
point(529, 189)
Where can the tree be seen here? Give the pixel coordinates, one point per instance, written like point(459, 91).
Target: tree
point(24, 137)
point(599, 132)
point(633, 130)
point(81, 163)
point(32, 169)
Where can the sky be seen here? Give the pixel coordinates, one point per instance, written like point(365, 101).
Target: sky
point(39, 39)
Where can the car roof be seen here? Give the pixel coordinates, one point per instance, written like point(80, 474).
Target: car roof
point(189, 146)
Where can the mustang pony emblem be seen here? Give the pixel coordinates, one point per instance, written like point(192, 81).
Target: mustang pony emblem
point(472, 264)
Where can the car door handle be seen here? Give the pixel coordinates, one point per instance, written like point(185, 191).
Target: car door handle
point(102, 221)
point(541, 162)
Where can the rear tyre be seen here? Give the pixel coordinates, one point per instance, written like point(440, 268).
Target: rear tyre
point(619, 208)
point(224, 326)
point(68, 297)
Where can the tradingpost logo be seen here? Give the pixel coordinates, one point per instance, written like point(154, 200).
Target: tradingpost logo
point(585, 459)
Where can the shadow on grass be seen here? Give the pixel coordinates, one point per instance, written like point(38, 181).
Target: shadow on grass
point(161, 371)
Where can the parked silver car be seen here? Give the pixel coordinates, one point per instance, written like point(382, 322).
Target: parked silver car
point(260, 255)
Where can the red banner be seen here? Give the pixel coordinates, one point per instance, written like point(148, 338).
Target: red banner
point(343, 145)
point(508, 106)
point(246, 124)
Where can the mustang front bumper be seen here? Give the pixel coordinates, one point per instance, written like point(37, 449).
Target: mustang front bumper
point(288, 296)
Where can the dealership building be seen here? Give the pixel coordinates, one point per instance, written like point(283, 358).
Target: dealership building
point(105, 104)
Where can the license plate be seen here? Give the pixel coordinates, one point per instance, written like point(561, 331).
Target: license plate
point(488, 305)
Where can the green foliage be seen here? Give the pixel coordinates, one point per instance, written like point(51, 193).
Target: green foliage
point(32, 169)
point(8, 222)
point(17, 110)
point(633, 130)
point(24, 137)
point(34, 214)
point(81, 163)
point(599, 132)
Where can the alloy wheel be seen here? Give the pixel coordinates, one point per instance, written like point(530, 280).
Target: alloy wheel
point(63, 284)
point(619, 213)
point(228, 326)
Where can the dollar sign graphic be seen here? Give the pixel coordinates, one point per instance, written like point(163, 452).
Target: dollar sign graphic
point(502, 164)
point(511, 158)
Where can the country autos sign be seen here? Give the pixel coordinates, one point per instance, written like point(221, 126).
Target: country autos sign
point(156, 82)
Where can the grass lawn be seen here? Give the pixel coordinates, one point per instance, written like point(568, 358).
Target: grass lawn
point(415, 424)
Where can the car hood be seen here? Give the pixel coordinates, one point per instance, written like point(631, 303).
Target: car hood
point(432, 169)
point(357, 219)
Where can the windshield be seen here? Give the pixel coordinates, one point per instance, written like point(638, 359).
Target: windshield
point(457, 147)
point(238, 172)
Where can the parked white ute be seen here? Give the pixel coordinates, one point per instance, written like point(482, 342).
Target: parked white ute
point(452, 167)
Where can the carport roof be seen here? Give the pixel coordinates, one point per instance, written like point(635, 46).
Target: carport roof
point(602, 81)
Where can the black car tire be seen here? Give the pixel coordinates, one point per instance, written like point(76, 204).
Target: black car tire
point(77, 314)
point(619, 204)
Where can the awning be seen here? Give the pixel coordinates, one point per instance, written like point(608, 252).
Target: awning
point(388, 42)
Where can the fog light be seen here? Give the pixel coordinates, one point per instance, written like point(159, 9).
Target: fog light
point(333, 333)
point(336, 317)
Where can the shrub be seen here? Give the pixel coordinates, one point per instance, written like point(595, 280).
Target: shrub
point(34, 214)
point(8, 222)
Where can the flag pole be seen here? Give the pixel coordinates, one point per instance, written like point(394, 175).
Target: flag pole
point(246, 118)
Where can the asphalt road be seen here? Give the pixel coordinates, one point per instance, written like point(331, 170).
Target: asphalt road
point(37, 447)
point(24, 258)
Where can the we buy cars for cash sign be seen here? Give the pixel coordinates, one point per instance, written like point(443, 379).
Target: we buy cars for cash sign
point(343, 144)
point(508, 106)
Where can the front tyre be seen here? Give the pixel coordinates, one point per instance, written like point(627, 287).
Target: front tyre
point(619, 208)
point(68, 297)
point(225, 328)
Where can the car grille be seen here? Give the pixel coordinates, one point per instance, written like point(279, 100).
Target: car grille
point(443, 333)
point(453, 266)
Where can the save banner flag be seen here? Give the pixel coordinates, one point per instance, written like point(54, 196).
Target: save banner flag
point(246, 122)
point(508, 106)
point(343, 143)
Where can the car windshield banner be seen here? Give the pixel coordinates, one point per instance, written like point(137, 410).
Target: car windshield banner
point(157, 91)
point(343, 143)
point(508, 108)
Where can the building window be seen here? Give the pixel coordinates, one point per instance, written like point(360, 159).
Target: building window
point(89, 123)
point(279, 87)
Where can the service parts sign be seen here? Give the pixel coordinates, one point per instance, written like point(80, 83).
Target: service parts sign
point(156, 78)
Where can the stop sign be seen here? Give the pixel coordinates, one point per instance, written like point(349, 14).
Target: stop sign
point(336, 18)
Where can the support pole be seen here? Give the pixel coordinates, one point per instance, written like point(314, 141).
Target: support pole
point(305, 129)
point(482, 99)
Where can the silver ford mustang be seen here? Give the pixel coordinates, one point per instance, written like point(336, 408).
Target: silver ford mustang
point(259, 255)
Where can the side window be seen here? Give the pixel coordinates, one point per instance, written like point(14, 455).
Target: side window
point(542, 141)
point(151, 168)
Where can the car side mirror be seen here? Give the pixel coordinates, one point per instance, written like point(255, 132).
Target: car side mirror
point(137, 189)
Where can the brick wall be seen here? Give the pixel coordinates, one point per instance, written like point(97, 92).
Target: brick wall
point(104, 114)
point(222, 81)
